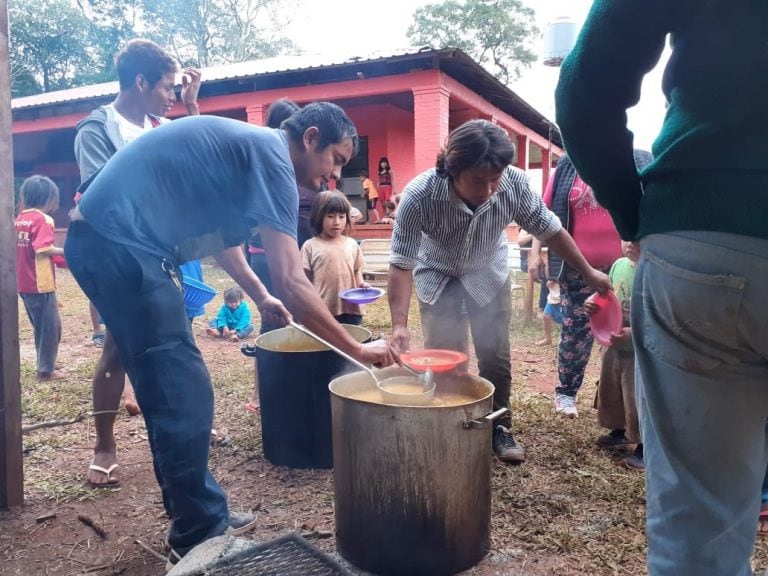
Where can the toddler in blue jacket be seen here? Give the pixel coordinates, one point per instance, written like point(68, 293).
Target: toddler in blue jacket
point(234, 318)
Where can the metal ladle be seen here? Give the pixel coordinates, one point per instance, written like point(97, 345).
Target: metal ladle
point(425, 377)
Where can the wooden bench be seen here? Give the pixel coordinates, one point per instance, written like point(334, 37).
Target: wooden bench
point(376, 253)
point(367, 231)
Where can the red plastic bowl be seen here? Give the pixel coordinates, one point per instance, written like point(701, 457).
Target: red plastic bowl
point(59, 261)
point(608, 319)
point(434, 359)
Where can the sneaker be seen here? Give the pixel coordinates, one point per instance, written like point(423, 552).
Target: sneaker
point(98, 338)
point(239, 523)
point(614, 439)
point(248, 350)
point(505, 447)
point(50, 376)
point(633, 462)
point(566, 405)
point(219, 441)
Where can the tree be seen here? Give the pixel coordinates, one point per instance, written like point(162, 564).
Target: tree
point(209, 32)
point(496, 33)
point(113, 22)
point(58, 44)
point(23, 82)
point(47, 41)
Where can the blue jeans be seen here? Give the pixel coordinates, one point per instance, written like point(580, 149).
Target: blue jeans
point(258, 263)
point(244, 332)
point(144, 311)
point(700, 326)
point(43, 313)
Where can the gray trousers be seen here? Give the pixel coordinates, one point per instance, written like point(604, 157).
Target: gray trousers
point(445, 323)
point(43, 312)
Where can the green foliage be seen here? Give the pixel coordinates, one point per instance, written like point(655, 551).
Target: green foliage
point(58, 44)
point(496, 33)
point(210, 32)
point(48, 41)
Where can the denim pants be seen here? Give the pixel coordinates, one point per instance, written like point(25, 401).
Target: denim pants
point(700, 326)
point(144, 311)
point(258, 263)
point(243, 333)
point(43, 313)
point(445, 326)
point(575, 346)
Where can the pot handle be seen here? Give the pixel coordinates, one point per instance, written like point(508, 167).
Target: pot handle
point(484, 421)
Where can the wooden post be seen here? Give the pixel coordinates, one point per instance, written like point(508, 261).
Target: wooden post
point(523, 153)
point(546, 168)
point(11, 462)
point(528, 304)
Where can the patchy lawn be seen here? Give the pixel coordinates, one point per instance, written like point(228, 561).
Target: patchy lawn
point(571, 509)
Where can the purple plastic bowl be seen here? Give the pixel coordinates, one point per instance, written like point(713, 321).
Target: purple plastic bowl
point(361, 295)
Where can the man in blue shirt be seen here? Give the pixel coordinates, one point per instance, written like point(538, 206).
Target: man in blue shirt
point(193, 188)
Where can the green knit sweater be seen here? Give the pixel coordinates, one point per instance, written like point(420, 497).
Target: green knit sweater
point(710, 169)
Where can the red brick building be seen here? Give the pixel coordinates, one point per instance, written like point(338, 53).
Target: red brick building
point(404, 105)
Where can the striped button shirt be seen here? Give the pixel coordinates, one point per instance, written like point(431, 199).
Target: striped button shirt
point(438, 237)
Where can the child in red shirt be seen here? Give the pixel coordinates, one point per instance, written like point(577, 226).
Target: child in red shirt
point(35, 271)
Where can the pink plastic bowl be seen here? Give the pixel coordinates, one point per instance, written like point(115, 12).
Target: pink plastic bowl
point(608, 319)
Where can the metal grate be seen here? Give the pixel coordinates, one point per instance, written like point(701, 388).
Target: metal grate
point(289, 555)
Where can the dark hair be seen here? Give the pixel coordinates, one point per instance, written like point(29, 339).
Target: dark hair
point(233, 294)
point(332, 122)
point(38, 192)
point(279, 111)
point(384, 159)
point(475, 144)
point(143, 57)
point(329, 202)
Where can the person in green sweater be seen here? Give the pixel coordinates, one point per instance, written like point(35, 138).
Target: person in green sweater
point(700, 323)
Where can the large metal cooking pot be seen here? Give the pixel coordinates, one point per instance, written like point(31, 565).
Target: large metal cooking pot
point(294, 372)
point(412, 484)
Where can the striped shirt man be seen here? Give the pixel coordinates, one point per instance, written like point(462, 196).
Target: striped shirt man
point(440, 238)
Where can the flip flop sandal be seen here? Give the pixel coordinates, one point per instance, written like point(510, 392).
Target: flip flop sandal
point(108, 473)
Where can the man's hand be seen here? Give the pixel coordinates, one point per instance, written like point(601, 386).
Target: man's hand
point(379, 353)
point(598, 281)
point(401, 339)
point(274, 311)
point(190, 88)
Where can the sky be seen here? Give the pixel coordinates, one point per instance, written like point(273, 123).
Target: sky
point(340, 27)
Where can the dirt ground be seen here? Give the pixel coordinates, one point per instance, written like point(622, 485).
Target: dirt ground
point(571, 509)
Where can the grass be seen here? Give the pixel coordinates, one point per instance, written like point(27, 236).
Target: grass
point(570, 509)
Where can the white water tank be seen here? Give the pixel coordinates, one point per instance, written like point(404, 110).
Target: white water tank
point(559, 38)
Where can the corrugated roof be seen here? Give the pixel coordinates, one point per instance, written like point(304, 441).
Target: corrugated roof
point(224, 72)
point(452, 61)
